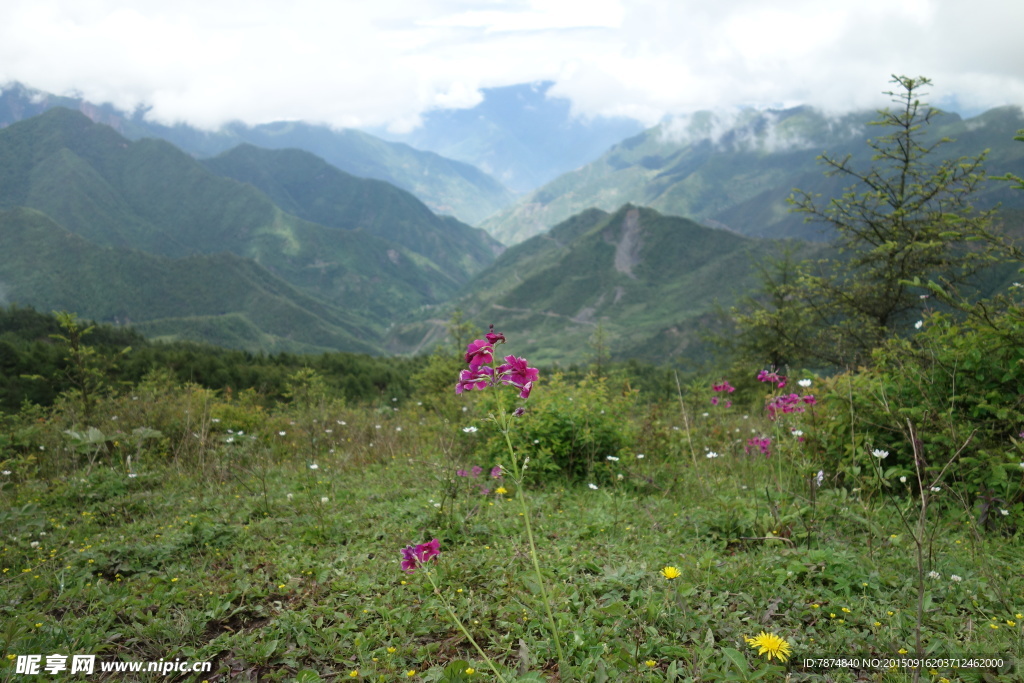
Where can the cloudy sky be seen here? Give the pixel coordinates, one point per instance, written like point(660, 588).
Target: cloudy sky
point(385, 62)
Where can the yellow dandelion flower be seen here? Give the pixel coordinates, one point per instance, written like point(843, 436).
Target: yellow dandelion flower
point(878, 623)
point(392, 650)
point(770, 644)
point(501, 490)
point(670, 572)
point(902, 651)
point(846, 609)
point(410, 673)
point(353, 674)
point(1011, 622)
point(993, 626)
point(651, 663)
point(470, 671)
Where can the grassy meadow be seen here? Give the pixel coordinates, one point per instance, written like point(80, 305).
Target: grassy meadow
point(263, 537)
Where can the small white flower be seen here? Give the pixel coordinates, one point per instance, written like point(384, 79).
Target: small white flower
point(934, 575)
point(903, 480)
point(419, 403)
point(282, 433)
point(1004, 512)
point(746, 417)
point(324, 499)
point(341, 422)
point(820, 478)
point(132, 475)
point(536, 440)
point(34, 544)
point(640, 456)
point(290, 496)
point(619, 477)
point(376, 426)
point(42, 448)
point(880, 454)
point(804, 383)
point(613, 458)
point(705, 414)
point(437, 505)
point(215, 420)
point(954, 577)
point(464, 408)
point(231, 439)
point(469, 430)
point(918, 324)
point(712, 454)
point(924, 296)
point(240, 432)
point(936, 489)
point(593, 486)
point(675, 429)
point(328, 431)
point(797, 433)
point(394, 398)
point(314, 466)
point(6, 473)
point(398, 429)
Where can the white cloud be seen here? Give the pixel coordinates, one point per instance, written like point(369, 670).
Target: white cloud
point(385, 63)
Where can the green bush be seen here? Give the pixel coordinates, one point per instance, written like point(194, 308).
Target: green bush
point(568, 430)
point(953, 394)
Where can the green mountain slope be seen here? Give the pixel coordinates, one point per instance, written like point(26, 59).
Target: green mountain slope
point(148, 195)
point(444, 185)
point(652, 281)
point(306, 186)
point(220, 298)
point(737, 174)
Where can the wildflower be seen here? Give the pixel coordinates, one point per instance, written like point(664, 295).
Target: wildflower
point(651, 663)
point(469, 430)
point(501, 491)
point(1004, 512)
point(515, 372)
point(282, 433)
point(763, 444)
point(324, 499)
point(593, 486)
point(520, 410)
point(797, 433)
point(132, 475)
point(494, 337)
point(712, 454)
point(612, 458)
point(640, 456)
point(918, 324)
point(903, 480)
point(410, 673)
point(392, 650)
point(353, 674)
point(470, 671)
point(880, 454)
point(804, 383)
point(314, 466)
point(770, 644)
point(496, 472)
point(934, 575)
point(955, 578)
point(478, 353)
point(670, 572)
point(461, 473)
point(474, 378)
point(290, 496)
point(936, 489)
point(820, 478)
point(7, 473)
point(724, 386)
point(412, 556)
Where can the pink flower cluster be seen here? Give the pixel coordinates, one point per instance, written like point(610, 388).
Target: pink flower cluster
point(723, 386)
point(480, 375)
point(773, 377)
point(788, 403)
point(763, 444)
point(413, 556)
point(477, 470)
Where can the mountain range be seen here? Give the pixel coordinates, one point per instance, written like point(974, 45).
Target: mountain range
point(279, 250)
point(149, 204)
point(736, 172)
point(445, 185)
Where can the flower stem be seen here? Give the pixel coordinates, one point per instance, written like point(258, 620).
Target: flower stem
point(518, 473)
point(462, 627)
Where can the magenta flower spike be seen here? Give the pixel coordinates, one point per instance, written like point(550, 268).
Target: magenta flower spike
point(478, 353)
point(515, 372)
point(474, 378)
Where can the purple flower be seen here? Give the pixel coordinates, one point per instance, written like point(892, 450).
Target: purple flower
point(477, 470)
point(474, 378)
point(420, 554)
point(714, 400)
point(478, 353)
point(515, 372)
point(762, 444)
point(462, 473)
point(496, 472)
point(724, 386)
point(484, 490)
point(520, 410)
point(526, 389)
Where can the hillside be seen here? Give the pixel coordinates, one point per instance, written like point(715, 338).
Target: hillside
point(219, 298)
point(737, 173)
point(308, 187)
point(444, 185)
point(654, 283)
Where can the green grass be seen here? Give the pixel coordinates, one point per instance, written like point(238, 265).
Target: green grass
point(223, 549)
